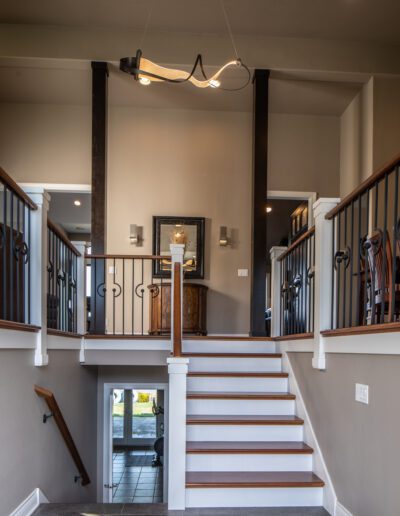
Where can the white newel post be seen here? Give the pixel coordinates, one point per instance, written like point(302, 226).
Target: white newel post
point(323, 277)
point(177, 252)
point(177, 370)
point(81, 296)
point(276, 282)
point(38, 272)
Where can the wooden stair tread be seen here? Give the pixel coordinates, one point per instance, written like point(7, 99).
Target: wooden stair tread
point(224, 374)
point(250, 447)
point(233, 355)
point(223, 479)
point(239, 395)
point(243, 420)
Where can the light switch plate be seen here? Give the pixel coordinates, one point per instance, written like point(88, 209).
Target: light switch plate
point(362, 393)
point(243, 273)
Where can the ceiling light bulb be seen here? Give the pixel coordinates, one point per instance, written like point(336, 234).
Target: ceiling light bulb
point(268, 209)
point(145, 81)
point(214, 83)
point(77, 202)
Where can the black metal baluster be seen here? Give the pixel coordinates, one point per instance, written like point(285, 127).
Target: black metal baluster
point(373, 265)
point(313, 281)
point(24, 258)
point(351, 255)
point(394, 250)
point(338, 272)
point(113, 291)
point(334, 292)
point(5, 240)
point(366, 262)
point(141, 298)
point(29, 265)
point(123, 296)
point(344, 263)
point(359, 257)
point(384, 284)
point(12, 261)
point(133, 296)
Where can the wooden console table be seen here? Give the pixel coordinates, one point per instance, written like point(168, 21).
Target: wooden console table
point(194, 309)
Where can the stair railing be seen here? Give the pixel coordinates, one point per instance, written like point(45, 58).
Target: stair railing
point(56, 414)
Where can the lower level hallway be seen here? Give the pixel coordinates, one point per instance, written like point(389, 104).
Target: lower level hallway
point(54, 509)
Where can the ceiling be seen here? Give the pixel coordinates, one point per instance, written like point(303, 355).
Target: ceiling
point(69, 82)
point(73, 219)
point(353, 20)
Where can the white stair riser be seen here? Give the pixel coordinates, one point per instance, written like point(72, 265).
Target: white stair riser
point(234, 384)
point(240, 407)
point(233, 365)
point(226, 346)
point(248, 462)
point(255, 497)
point(244, 432)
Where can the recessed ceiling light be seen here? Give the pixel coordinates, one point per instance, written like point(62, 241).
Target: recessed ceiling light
point(77, 202)
point(268, 209)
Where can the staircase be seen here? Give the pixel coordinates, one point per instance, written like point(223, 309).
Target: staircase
point(244, 441)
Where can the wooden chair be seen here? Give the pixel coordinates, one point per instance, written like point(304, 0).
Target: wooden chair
point(380, 265)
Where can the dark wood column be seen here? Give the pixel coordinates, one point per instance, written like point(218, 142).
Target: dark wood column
point(259, 219)
point(99, 192)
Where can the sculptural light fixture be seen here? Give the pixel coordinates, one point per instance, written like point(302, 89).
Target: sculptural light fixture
point(146, 72)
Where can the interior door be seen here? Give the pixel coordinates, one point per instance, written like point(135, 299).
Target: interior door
point(108, 459)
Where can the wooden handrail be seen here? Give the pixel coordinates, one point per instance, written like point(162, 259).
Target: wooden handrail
point(127, 256)
point(48, 396)
point(12, 185)
point(53, 227)
point(177, 316)
point(365, 185)
point(303, 237)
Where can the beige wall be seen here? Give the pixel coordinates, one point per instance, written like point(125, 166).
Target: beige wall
point(197, 163)
point(360, 443)
point(386, 119)
point(46, 143)
point(33, 454)
point(356, 139)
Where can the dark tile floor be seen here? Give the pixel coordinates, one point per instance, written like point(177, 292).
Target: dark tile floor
point(161, 510)
point(137, 481)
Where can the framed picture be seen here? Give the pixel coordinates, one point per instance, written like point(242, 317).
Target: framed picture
point(180, 230)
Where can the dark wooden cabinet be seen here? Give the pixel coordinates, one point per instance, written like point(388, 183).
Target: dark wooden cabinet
point(194, 309)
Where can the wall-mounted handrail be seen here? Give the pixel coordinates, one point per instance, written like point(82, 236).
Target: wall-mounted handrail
point(296, 243)
point(53, 227)
point(177, 315)
point(17, 190)
point(364, 186)
point(56, 413)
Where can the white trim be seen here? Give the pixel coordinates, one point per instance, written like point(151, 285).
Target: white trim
point(58, 187)
point(340, 510)
point(311, 197)
point(57, 342)
point(103, 477)
point(127, 344)
point(368, 344)
point(319, 466)
point(299, 345)
point(16, 339)
point(30, 504)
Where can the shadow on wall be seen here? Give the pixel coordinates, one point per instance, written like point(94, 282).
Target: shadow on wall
point(223, 314)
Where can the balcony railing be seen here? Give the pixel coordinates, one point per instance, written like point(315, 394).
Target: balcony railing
point(366, 252)
point(15, 251)
point(126, 299)
point(62, 281)
point(297, 286)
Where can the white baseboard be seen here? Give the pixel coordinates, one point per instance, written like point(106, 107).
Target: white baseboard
point(30, 504)
point(340, 510)
point(319, 466)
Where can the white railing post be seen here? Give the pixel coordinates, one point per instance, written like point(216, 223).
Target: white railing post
point(177, 370)
point(38, 271)
point(276, 282)
point(323, 277)
point(81, 296)
point(177, 252)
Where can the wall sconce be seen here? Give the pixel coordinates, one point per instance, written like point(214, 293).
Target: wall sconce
point(223, 236)
point(136, 235)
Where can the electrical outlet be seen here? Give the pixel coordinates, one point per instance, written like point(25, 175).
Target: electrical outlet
point(243, 273)
point(362, 393)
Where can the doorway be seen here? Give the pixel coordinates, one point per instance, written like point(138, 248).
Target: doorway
point(134, 444)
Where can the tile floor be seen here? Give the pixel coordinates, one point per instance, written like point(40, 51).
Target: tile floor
point(137, 481)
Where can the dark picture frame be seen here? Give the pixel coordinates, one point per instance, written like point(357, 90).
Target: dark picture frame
point(193, 229)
